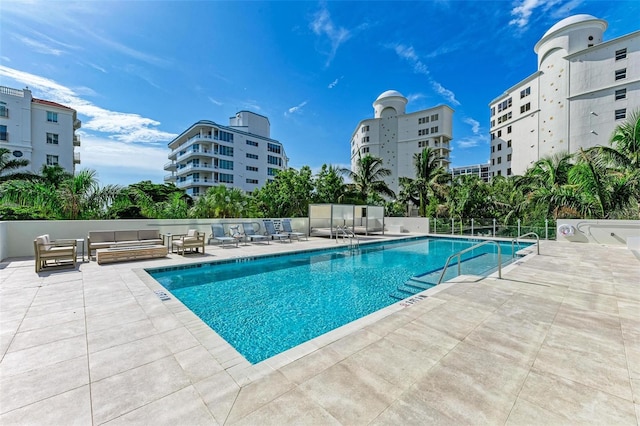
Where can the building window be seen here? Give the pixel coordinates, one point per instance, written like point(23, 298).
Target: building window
point(620, 74)
point(621, 54)
point(434, 129)
point(364, 129)
point(52, 160)
point(493, 123)
point(423, 144)
point(526, 107)
point(225, 178)
point(493, 111)
point(365, 150)
point(499, 147)
point(508, 157)
point(493, 161)
point(621, 94)
point(224, 136)
point(271, 147)
point(226, 150)
point(52, 138)
point(52, 117)
point(504, 105)
point(3, 133)
point(499, 160)
point(499, 172)
point(4, 111)
point(621, 113)
point(252, 169)
point(422, 120)
point(526, 92)
point(509, 171)
point(493, 136)
point(493, 149)
point(252, 181)
point(434, 117)
point(252, 156)
point(225, 164)
point(365, 139)
point(509, 143)
point(271, 171)
point(508, 129)
point(422, 132)
point(274, 160)
point(252, 143)
point(499, 133)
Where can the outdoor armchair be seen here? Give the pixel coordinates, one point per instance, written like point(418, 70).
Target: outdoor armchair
point(54, 252)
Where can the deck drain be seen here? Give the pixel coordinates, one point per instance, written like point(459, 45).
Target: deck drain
point(162, 295)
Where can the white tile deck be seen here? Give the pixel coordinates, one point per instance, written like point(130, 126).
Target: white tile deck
point(556, 341)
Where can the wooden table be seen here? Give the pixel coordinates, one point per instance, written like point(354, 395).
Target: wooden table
point(126, 253)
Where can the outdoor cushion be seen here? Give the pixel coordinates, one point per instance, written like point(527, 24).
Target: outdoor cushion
point(126, 235)
point(101, 236)
point(148, 234)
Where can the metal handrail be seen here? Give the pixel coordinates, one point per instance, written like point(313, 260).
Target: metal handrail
point(346, 232)
point(515, 240)
point(460, 253)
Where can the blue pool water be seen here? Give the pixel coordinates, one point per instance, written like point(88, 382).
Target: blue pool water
point(264, 306)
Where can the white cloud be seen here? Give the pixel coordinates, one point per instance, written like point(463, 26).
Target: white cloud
point(215, 102)
point(296, 109)
point(471, 141)
point(475, 125)
point(122, 126)
point(414, 97)
point(322, 25)
point(409, 54)
point(445, 93)
point(333, 84)
point(97, 152)
point(524, 9)
point(38, 46)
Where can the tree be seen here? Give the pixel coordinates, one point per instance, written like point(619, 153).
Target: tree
point(368, 178)
point(221, 202)
point(468, 197)
point(8, 167)
point(82, 198)
point(431, 179)
point(329, 185)
point(288, 195)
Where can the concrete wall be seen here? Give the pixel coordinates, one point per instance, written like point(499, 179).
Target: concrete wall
point(409, 224)
point(610, 232)
point(16, 237)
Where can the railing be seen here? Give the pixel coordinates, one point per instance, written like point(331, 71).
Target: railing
point(76, 140)
point(515, 240)
point(13, 92)
point(76, 157)
point(460, 253)
point(345, 232)
point(488, 227)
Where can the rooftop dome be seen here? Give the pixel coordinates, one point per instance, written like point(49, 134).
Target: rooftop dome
point(389, 94)
point(571, 20)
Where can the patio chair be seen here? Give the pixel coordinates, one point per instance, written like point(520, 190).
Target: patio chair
point(60, 252)
point(237, 233)
point(271, 231)
point(217, 234)
point(286, 227)
point(250, 233)
point(192, 241)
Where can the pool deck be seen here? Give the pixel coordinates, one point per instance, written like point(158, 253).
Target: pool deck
point(556, 341)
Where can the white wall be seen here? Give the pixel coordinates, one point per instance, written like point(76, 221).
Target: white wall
point(610, 232)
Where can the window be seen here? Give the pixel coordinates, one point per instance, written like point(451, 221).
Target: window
point(493, 149)
point(253, 181)
point(364, 129)
point(271, 147)
point(226, 150)
point(499, 160)
point(621, 54)
point(365, 139)
point(499, 147)
point(493, 136)
point(225, 178)
point(271, 171)
point(423, 120)
point(252, 156)
point(52, 138)
point(226, 164)
point(509, 143)
point(365, 150)
point(526, 92)
point(252, 143)
point(621, 94)
point(4, 112)
point(504, 105)
point(434, 129)
point(493, 123)
point(434, 117)
point(499, 172)
point(508, 157)
point(508, 129)
point(620, 74)
point(422, 132)
point(3, 133)
point(423, 144)
point(621, 113)
point(225, 136)
point(274, 160)
point(493, 161)
point(509, 171)
point(52, 160)
point(526, 107)
point(499, 133)
point(493, 111)
point(252, 169)
point(52, 117)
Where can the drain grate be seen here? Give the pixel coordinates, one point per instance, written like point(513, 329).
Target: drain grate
point(162, 295)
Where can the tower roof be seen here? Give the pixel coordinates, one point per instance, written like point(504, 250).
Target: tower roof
point(389, 94)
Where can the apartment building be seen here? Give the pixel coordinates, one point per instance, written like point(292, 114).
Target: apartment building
point(38, 130)
point(583, 88)
point(241, 155)
point(395, 136)
point(480, 170)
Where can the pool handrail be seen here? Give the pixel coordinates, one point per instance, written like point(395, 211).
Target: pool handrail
point(461, 252)
point(515, 240)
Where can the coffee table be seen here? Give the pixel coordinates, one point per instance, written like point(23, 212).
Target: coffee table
point(126, 253)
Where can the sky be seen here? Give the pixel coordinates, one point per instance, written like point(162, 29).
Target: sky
point(141, 72)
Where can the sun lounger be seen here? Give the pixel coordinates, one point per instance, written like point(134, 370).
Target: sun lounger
point(250, 233)
point(286, 227)
point(217, 234)
point(271, 231)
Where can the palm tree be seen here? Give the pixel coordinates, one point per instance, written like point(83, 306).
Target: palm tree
point(82, 198)
point(368, 179)
point(431, 177)
point(220, 202)
point(7, 167)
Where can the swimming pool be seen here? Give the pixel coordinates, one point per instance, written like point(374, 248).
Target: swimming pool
point(264, 306)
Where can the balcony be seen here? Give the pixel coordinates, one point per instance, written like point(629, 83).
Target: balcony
point(197, 167)
point(76, 140)
point(194, 152)
point(77, 124)
point(196, 182)
point(170, 178)
point(170, 166)
point(76, 158)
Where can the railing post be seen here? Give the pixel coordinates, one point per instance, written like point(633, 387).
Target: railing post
point(518, 234)
point(472, 233)
point(453, 225)
point(435, 225)
point(494, 228)
point(546, 229)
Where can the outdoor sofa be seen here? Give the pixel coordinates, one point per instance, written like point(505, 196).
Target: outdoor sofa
point(105, 239)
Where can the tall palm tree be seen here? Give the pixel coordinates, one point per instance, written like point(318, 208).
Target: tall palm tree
point(8, 167)
point(431, 177)
point(82, 198)
point(368, 178)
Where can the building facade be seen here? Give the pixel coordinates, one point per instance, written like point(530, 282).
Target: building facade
point(395, 136)
point(582, 90)
point(37, 130)
point(241, 155)
point(480, 170)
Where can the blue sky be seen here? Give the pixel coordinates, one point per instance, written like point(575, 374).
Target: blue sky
point(141, 72)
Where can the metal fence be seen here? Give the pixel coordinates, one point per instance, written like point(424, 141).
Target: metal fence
point(491, 228)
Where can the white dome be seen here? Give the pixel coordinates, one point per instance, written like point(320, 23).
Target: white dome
point(389, 94)
point(571, 20)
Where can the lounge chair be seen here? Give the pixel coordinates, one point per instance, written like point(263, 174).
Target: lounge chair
point(192, 241)
point(237, 233)
point(271, 231)
point(61, 252)
point(286, 227)
point(250, 233)
point(217, 234)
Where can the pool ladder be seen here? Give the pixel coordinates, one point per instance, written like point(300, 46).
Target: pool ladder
point(345, 232)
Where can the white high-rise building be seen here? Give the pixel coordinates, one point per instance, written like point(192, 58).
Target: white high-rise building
point(37, 130)
point(583, 89)
point(241, 155)
point(395, 136)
